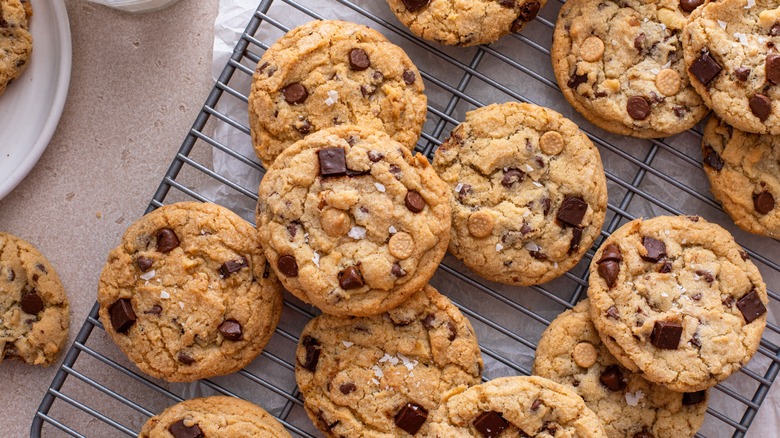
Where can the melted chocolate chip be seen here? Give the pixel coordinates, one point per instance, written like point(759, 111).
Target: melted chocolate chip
point(535, 405)
point(656, 250)
point(490, 424)
point(690, 5)
point(231, 330)
point(613, 312)
point(350, 278)
point(144, 263)
point(760, 106)
point(428, 321)
point(572, 210)
point(528, 12)
point(358, 60)
point(414, 201)
point(712, 159)
point(304, 127)
point(666, 335)
point(287, 266)
point(575, 80)
point(705, 68)
point(453, 331)
point(375, 156)
point(751, 306)
point(644, 433)
point(612, 378)
point(546, 206)
point(706, 275)
point(347, 388)
point(180, 430)
point(611, 252)
point(312, 347)
point(122, 315)
point(411, 417)
point(185, 358)
point(409, 77)
point(333, 162)
point(397, 271)
point(166, 240)
point(742, 73)
point(774, 30)
point(415, 5)
point(32, 303)
point(609, 270)
point(232, 266)
point(772, 68)
point(576, 238)
point(154, 310)
point(763, 202)
point(464, 191)
point(511, 176)
point(744, 255)
point(665, 268)
point(638, 107)
point(693, 398)
point(295, 93)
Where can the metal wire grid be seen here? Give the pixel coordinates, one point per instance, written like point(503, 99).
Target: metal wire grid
point(97, 393)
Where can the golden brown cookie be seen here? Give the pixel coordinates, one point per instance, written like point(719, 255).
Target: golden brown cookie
point(15, 40)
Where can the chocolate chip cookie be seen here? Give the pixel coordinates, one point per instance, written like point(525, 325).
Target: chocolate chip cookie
point(744, 173)
point(33, 306)
point(384, 375)
point(527, 190)
point(15, 40)
point(677, 299)
point(354, 224)
point(620, 65)
point(516, 406)
point(214, 417)
point(570, 352)
point(188, 293)
point(328, 73)
point(459, 23)
point(732, 61)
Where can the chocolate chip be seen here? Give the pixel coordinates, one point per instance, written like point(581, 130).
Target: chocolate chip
point(744, 255)
point(772, 68)
point(546, 206)
point(347, 388)
point(707, 275)
point(535, 405)
point(428, 321)
point(287, 266)
point(414, 201)
point(409, 77)
point(751, 306)
point(609, 271)
point(453, 331)
point(144, 263)
point(511, 176)
point(232, 266)
point(358, 59)
point(295, 93)
point(185, 358)
point(690, 5)
point(122, 315)
point(742, 73)
point(31, 303)
point(760, 106)
point(154, 310)
point(490, 424)
point(312, 353)
point(166, 240)
point(415, 5)
point(612, 378)
point(639, 42)
point(728, 301)
point(375, 156)
point(551, 428)
point(333, 162)
point(572, 210)
point(507, 3)
point(41, 268)
point(465, 191)
point(656, 250)
point(292, 230)
point(774, 30)
point(180, 430)
point(412, 416)
point(538, 255)
point(696, 297)
point(613, 312)
point(712, 159)
point(695, 340)
point(666, 335)
point(261, 68)
point(611, 252)
point(528, 12)
point(705, 68)
point(11, 275)
point(398, 271)
point(763, 202)
point(576, 238)
point(665, 268)
point(304, 127)
point(575, 80)
point(644, 433)
point(350, 278)
point(693, 398)
point(395, 171)
point(231, 330)
point(638, 107)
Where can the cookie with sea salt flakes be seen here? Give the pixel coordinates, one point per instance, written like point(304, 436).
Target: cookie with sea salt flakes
point(328, 73)
point(674, 297)
point(188, 294)
point(571, 353)
point(384, 375)
point(620, 65)
point(730, 49)
point(459, 23)
point(353, 223)
point(15, 40)
point(527, 191)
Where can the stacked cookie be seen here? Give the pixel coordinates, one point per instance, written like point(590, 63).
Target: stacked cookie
point(15, 40)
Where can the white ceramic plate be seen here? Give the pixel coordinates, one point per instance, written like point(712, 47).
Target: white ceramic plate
point(31, 106)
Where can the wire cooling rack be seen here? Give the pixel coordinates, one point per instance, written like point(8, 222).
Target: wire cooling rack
point(97, 392)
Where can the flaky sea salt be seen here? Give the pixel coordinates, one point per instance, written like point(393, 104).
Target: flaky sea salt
point(458, 187)
point(532, 246)
point(333, 97)
point(357, 233)
point(667, 65)
point(529, 168)
point(499, 247)
point(378, 372)
point(654, 71)
point(148, 275)
point(632, 399)
point(741, 37)
point(347, 344)
point(538, 184)
point(181, 304)
point(750, 4)
point(316, 258)
point(380, 187)
point(408, 363)
point(392, 230)
point(164, 295)
point(375, 381)
point(722, 24)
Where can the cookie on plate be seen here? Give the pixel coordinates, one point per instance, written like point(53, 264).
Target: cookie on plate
point(620, 65)
point(570, 352)
point(34, 314)
point(677, 299)
point(527, 190)
point(516, 406)
point(384, 375)
point(744, 173)
point(353, 223)
point(459, 23)
point(188, 294)
point(327, 73)
point(213, 417)
point(15, 40)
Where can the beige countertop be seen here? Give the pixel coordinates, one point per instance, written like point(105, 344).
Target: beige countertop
point(137, 84)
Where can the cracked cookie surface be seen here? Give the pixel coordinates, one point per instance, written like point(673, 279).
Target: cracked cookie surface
point(677, 299)
point(465, 22)
point(527, 190)
point(570, 352)
point(744, 174)
point(328, 73)
point(188, 293)
point(620, 65)
point(213, 417)
point(15, 40)
point(516, 406)
point(34, 314)
point(353, 223)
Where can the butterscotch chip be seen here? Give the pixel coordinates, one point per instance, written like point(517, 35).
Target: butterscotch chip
point(334, 222)
point(592, 49)
point(584, 354)
point(551, 143)
point(401, 245)
point(480, 224)
point(668, 82)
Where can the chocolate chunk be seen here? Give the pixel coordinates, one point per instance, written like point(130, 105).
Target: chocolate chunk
point(358, 60)
point(144, 263)
point(712, 159)
point(415, 5)
point(666, 335)
point(760, 106)
point(453, 331)
point(396, 171)
point(411, 417)
point(232, 266)
point(347, 388)
point(295, 93)
point(375, 156)
point(656, 250)
point(166, 240)
point(751, 306)
point(535, 405)
point(122, 315)
point(179, 430)
point(575, 80)
point(527, 13)
point(763, 202)
point(742, 73)
point(398, 271)
point(612, 378)
point(154, 310)
point(333, 162)
point(639, 42)
point(538, 255)
point(312, 353)
point(638, 107)
point(693, 398)
point(350, 278)
point(576, 238)
point(705, 68)
point(613, 312)
point(185, 358)
point(611, 252)
point(231, 330)
point(609, 271)
point(665, 268)
point(572, 210)
point(287, 266)
point(428, 321)
point(706, 275)
point(690, 5)
point(414, 201)
point(490, 424)
point(409, 77)
point(546, 206)
point(511, 176)
point(32, 303)
point(772, 68)
point(728, 301)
